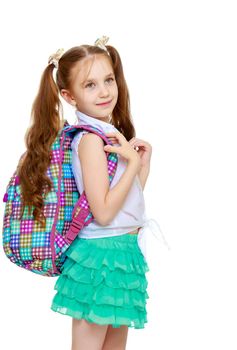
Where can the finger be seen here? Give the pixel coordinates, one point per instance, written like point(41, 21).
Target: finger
point(111, 133)
point(133, 145)
point(139, 143)
point(111, 149)
point(132, 142)
point(118, 135)
point(114, 134)
point(112, 138)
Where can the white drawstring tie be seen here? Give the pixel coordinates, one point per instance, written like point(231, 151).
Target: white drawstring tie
point(143, 234)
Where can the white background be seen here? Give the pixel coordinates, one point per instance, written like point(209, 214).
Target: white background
point(179, 60)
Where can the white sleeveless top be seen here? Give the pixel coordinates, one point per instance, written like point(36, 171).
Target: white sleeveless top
point(132, 214)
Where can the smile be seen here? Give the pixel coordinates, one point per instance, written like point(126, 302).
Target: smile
point(104, 103)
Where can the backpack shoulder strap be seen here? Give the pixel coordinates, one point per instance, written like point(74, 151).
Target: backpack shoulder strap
point(81, 215)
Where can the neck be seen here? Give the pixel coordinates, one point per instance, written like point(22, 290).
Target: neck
point(107, 119)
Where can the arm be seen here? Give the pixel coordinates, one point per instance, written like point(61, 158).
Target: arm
point(145, 152)
point(143, 175)
point(104, 202)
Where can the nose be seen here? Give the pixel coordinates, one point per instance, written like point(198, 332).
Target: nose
point(104, 91)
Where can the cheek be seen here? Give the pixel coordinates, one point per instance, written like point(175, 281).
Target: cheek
point(88, 96)
point(114, 90)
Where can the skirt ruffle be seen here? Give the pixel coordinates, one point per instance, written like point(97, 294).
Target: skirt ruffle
point(103, 281)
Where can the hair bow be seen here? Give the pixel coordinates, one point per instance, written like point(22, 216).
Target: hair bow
point(54, 58)
point(101, 42)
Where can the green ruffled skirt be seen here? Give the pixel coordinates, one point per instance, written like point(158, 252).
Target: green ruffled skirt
point(103, 281)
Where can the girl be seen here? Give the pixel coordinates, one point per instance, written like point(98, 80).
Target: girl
point(103, 286)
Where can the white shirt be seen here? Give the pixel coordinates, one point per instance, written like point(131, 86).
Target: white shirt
point(132, 214)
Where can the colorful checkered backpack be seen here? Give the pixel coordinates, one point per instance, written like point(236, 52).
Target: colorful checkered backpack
point(66, 211)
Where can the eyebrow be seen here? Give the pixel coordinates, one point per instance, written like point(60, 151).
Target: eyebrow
point(89, 80)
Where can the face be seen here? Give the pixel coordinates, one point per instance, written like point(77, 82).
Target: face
point(94, 89)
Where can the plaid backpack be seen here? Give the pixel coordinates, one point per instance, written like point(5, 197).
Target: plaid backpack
point(25, 242)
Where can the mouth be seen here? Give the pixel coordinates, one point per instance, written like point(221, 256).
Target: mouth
point(104, 103)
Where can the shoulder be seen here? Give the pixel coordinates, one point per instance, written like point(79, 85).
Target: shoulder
point(90, 143)
point(77, 138)
point(91, 138)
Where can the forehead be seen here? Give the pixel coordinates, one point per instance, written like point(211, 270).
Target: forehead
point(93, 67)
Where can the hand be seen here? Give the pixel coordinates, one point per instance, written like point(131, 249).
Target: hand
point(144, 150)
point(125, 149)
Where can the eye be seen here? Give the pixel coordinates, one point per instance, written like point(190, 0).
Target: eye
point(89, 85)
point(111, 79)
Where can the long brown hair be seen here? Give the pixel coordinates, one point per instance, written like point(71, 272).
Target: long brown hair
point(46, 122)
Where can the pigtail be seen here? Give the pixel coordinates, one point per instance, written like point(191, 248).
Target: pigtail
point(45, 125)
point(122, 118)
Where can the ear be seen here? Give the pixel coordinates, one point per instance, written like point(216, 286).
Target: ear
point(66, 95)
